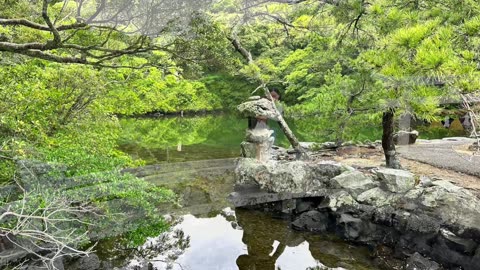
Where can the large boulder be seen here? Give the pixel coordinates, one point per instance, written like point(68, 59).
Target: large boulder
point(376, 197)
point(436, 218)
point(284, 176)
point(354, 182)
point(340, 199)
point(396, 180)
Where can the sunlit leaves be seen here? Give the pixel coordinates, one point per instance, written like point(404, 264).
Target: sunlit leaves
point(410, 37)
point(472, 26)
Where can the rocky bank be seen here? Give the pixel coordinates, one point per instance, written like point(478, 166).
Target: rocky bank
point(411, 215)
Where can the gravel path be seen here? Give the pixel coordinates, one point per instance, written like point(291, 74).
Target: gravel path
point(448, 153)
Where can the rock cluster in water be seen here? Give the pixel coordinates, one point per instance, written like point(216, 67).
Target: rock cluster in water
point(389, 207)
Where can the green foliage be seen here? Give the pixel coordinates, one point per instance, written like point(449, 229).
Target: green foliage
point(152, 91)
point(138, 237)
point(358, 59)
point(232, 90)
point(86, 148)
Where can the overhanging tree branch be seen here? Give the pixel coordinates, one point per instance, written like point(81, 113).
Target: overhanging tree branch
point(122, 27)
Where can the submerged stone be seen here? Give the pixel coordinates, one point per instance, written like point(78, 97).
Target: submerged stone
point(313, 220)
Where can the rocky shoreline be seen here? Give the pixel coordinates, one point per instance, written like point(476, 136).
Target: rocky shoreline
point(415, 217)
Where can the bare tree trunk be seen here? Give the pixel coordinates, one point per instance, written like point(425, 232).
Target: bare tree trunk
point(387, 139)
point(286, 129)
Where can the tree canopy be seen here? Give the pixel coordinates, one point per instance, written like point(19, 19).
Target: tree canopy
point(94, 32)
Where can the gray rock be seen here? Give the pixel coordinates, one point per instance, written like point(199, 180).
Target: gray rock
point(353, 181)
point(354, 228)
point(340, 199)
point(313, 220)
point(303, 206)
point(310, 145)
point(352, 225)
point(418, 262)
point(425, 181)
point(459, 244)
point(457, 207)
point(447, 185)
point(397, 180)
point(284, 176)
point(376, 197)
point(413, 194)
point(422, 223)
point(329, 145)
point(90, 262)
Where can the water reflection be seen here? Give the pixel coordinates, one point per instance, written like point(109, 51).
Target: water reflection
point(219, 136)
point(271, 245)
point(214, 136)
point(250, 240)
point(214, 243)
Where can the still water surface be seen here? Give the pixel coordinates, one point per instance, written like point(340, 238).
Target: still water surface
point(219, 136)
point(246, 240)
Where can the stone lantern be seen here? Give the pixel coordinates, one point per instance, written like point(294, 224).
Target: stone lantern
point(258, 140)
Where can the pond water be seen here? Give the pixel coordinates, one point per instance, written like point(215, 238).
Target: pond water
point(219, 136)
point(245, 240)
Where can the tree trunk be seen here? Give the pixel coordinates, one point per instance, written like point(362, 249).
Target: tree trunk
point(286, 130)
point(387, 139)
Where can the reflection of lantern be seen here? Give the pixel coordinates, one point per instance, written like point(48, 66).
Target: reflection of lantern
point(179, 147)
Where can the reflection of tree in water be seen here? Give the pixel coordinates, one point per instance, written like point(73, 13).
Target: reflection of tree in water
point(137, 247)
point(260, 236)
point(156, 140)
point(166, 248)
